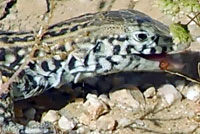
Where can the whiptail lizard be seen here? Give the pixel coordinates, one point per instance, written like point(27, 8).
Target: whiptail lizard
point(85, 46)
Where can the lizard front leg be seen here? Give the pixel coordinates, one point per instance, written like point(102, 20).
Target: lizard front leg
point(9, 126)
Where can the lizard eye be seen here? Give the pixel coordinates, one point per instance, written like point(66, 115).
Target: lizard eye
point(141, 36)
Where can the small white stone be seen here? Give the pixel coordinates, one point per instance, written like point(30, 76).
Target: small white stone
point(30, 113)
point(198, 39)
point(106, 123)
point(192, 91)
point(84, 118)
point(66, 124)
point(124, 96)
point(123, 122)
point(51, 116)
point(94, 106)
point(91, 96)
point(180, 84)
point(106, 100)
point(140, 122)
point(169, 94)
point(192, 94)
point(150, 92)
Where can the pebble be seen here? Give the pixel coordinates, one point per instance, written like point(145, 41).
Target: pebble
point(150, 92)
point(94, 106)
point(139, 122)
point(123, 122)
point(137, 95)
point(106, 123)
point(180, 84)
point(196, 117)
point(169, 94)
point(51, 116)
point(124, 97)
point(66, 124)
point(198, 39)
point(30, 113)
point(84, 118)
point(106, 100)
point(192, 92)
point(83, 130)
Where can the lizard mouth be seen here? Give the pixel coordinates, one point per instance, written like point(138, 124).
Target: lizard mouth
point(154, 57)
point(166, 61)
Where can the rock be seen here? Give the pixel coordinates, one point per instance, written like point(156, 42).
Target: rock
point(180, 84)
point(72, 110)
point(91, 96)
point(51, 116)
point(127, 130)
point(169, 94)
point(138, 96)
point(94, 106)
point(192, 91)
point(30, 113)
point(138, 122)
point(150, 92)
point(66, 124)
point(124, 97)
point(83, 130)
point(106, 123)
point(196, 117)
point(84, 119)
point(198, 39)
point(106, 100)
point(123, 122)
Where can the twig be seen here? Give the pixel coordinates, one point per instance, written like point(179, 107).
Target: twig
point(193, 19)
point(198, 66)
point(183, 76)
point(4, 87)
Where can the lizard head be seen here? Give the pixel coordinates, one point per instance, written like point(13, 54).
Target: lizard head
point(149, 36)
point(140, 33)
point(134, 42)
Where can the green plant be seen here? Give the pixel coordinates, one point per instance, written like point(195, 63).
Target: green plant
point(177, 10)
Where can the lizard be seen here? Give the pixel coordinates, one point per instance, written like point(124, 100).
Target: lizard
point(89, 45)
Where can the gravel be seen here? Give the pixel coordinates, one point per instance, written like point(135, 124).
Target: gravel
point(169, 94)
